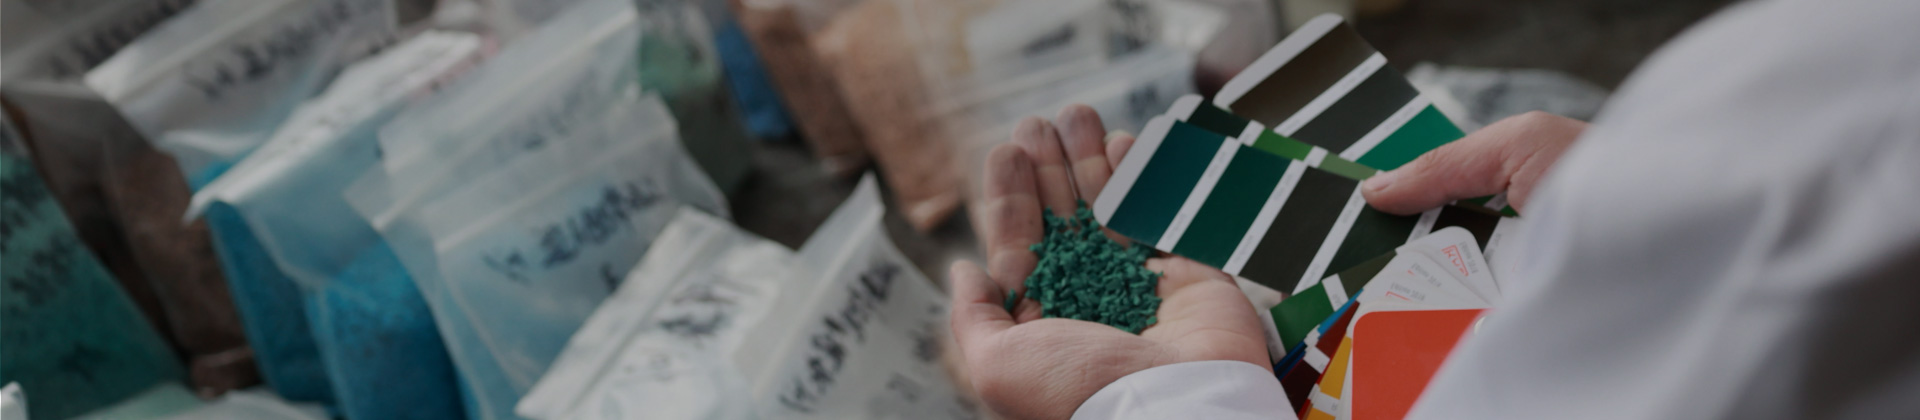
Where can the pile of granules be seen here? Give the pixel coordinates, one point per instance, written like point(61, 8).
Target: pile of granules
point(1086, 276)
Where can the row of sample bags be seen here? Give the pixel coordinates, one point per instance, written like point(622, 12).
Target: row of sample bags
point(717, 323)
point(411, 224)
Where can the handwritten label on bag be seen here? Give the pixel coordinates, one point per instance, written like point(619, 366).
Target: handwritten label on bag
point(83, 51)
point(828, 340)
point(562, 241)
point(247, 62)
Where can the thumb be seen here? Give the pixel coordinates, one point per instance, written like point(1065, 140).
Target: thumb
point(1508, 156)
point(978, 306)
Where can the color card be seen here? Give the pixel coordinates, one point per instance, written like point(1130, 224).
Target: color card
point(1312, 309)
point(1326, 86)
point(1333, 381)
point(1169, 174)
point(1299, 315)
point(1199, 194)
point(1293, 73)
point(1306, 311)
point(1285, 250)
point(1373, 233)
point(1479, 221)
point(1302, 375)
point(1191, 109)
point(1231, 208)
point(1335, 330)
point(1187, 189)
point(1394, 355)
point(1352, 116)
point(1298, 382)
point(1425, 131)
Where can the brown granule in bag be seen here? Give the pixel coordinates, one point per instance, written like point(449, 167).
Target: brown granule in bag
point(810, 93)
point(868, 51)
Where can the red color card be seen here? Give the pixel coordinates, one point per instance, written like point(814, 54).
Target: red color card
point(1395, 353)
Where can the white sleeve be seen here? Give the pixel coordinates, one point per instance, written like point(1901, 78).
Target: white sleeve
point(1218, 389)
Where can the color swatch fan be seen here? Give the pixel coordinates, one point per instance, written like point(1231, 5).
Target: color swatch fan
point(1282, 207)
point(1263, 182)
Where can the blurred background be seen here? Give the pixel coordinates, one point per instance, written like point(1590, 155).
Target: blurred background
point(544, 209)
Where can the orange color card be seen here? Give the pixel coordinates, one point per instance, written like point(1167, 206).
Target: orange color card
point(1395, 353)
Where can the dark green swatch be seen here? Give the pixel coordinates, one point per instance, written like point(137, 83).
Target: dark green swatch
point(1374, 233)
point(1230, 208)
point(1363, 108)
point(1284, 253)
point(1164, 183)
point(1357, 277)
point(1300, 314)
point(1217, 120)
point(1427, 130)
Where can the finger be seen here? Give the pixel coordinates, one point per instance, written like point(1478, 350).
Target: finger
point(1508, 156)
point(977, 312)
point(1118, 143)
point(1042, 144)
point(1011, 211)
point(1466, 168)
point(1082, 135)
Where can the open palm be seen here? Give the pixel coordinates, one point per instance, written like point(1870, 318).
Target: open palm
point(1024, 366)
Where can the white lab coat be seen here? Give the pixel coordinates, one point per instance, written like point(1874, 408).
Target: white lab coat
point(1737, 236)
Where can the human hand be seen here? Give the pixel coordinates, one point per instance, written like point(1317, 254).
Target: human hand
point(1508, 156)
point(1027, 367)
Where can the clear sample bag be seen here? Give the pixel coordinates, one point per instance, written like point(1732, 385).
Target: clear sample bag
point(858, 332)
point(372, 330)
point(657, 348)
point(210, 84)
point(518, 197)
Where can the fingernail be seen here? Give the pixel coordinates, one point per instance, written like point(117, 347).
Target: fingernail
point(1114, 135)
point(1380, 181)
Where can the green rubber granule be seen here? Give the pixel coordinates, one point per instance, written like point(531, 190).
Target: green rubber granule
point(1086, 276)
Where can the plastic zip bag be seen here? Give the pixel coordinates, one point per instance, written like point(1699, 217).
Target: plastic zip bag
point(681, 62)
point(373, 332)
point(62, 39)
point(251, 405)
point(968, 55)
point(289, 190)
point(161, 400)
point(513, 19)
point(528, 96)
point(525, 100)
point(210, 84)
point(857, 332)
point(656, 347)
point(70, 334)
point(572, 238)
point(533, 247)
point(127, 217)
